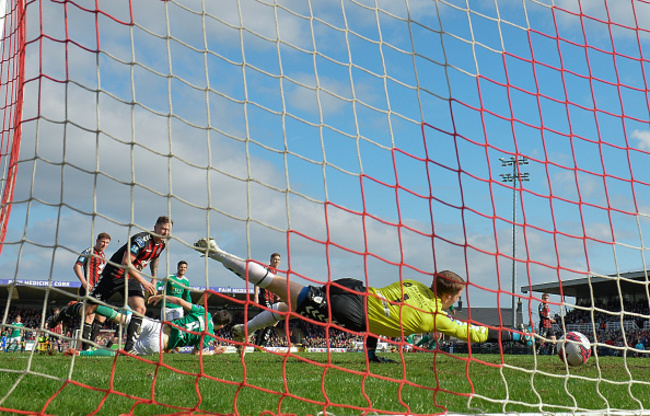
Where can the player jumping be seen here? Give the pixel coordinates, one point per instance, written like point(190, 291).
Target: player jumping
point(400, 309)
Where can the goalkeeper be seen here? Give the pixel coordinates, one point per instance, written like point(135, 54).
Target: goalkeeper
point(400, 309)
point(195, 329)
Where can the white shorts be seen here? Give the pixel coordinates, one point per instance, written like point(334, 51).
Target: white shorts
point(13, 340)
point(169, 314)
point(149, 341)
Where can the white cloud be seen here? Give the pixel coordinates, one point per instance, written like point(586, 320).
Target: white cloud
point(207, 174)
point(642, 138)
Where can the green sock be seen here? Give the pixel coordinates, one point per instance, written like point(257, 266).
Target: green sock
point(102, 310)
point(100, 352)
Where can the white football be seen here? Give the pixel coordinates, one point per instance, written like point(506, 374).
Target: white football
point(574, 348)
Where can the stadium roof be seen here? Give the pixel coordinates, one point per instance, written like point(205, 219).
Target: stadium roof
point(602, 287)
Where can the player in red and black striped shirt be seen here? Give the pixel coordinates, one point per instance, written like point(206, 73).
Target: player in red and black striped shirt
point(546, 326)
point(91, 262)
point(124, 272)
point(88, 268)
point(267, 298)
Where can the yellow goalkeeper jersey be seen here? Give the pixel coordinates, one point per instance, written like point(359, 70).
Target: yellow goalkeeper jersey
point(410, 307)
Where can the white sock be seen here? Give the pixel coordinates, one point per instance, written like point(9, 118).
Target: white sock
point(264, 319)
point(257, 275)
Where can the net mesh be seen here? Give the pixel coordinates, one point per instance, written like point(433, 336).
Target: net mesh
point(505, 140)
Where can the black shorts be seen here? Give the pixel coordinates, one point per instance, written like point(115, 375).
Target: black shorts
point(106, 286)
point(546, 332)
point(348, 308)
point(82, 291)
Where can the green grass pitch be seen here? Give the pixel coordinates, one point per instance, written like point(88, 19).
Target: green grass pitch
point(309, 383)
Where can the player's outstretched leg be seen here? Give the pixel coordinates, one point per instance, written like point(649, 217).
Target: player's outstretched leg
point(262, 320)
point(252, 272)
point(66, 312)
point(257, 274)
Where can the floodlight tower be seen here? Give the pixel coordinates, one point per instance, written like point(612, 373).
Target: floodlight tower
point(515, 177)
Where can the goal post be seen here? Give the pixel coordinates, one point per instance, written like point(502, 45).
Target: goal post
point(13, 44)
point(383, 140)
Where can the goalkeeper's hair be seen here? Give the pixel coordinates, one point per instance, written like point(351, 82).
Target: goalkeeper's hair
point(447, 282)
point(222, 317)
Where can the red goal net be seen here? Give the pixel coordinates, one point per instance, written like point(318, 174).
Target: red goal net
point(380, 140)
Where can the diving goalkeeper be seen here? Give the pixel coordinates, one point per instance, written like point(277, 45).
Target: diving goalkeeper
point(400, 309)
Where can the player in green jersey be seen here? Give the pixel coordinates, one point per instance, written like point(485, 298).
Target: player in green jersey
point(196, 329)
point(175, 286)
point(397, 310)
point(16, 336)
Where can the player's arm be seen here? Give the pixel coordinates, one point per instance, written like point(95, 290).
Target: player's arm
point(478, 333)
point(257, 294)
point(78, 269)
point(155, 299)
point(153, 266)
point(127, 263)
point(459, 329)
point(542, 312)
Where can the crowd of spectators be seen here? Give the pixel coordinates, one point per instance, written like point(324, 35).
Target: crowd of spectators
point(609, 339)
point(610, 312)
point(31, 319)
point(315, 336)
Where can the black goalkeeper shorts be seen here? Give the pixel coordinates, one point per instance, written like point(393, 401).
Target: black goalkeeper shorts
point(348, 308)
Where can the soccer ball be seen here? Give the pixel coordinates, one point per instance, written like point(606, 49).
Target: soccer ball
point(574, 348)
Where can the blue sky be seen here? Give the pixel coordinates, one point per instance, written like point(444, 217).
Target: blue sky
point(302, 133)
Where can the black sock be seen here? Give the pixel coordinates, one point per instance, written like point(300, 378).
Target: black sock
point(371, 347)
point(263, 336)
point(86, 331)
point(132, 332)
point(97, 326)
